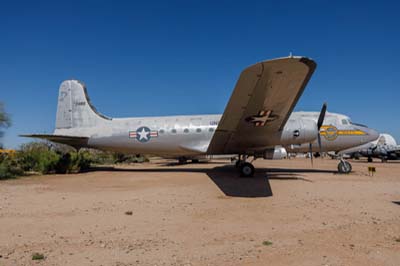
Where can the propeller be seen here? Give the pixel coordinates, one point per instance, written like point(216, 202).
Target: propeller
point(319, 125)
point(311, 155)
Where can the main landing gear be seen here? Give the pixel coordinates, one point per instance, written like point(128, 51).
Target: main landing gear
point(344, 167)
point(246, 169)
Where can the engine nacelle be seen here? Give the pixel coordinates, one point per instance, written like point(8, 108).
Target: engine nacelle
point(299, 131)
point(274, 154)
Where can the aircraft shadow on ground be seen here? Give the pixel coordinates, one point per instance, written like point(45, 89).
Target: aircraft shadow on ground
point(228, 181)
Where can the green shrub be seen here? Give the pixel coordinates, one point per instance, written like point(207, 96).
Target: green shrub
point(75, 162)
point(267, 243)
point(100, 157)
point(129, 158)
point(85, 160)
point(46, 157)
point(38, 256)
point(38, 157)
point(9, 168)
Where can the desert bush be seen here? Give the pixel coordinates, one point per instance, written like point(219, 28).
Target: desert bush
point(129, 158)
point(106, 157)
point(9, 168)
point(74, 162)
point(46, 157)
point(38, 157)
point(38, 256)
point(99, 157)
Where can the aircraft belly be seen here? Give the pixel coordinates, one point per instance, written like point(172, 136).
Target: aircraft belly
point(160, 145)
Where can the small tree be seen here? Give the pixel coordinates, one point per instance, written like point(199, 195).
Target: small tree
point(5, 121)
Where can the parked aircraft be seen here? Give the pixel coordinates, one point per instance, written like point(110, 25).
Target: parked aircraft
point(338, 133)
point(384, 148)
point(255, 120)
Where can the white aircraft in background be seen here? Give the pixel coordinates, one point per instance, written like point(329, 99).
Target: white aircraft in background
point(384, 148)
point(256, 119)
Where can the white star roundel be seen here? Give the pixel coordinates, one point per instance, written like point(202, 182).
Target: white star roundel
point(143, 134)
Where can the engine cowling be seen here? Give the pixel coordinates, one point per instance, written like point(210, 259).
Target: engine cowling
point(299, 131)
point(275, 154)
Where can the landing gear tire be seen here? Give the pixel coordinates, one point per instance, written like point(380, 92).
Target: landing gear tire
point(246, 169)
point(195, 161)
point(370, 159)
point(344, 167)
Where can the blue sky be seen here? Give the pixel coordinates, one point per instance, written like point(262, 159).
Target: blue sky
point(144, 58)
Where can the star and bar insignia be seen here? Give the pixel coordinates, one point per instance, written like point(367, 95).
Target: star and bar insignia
point(143, 134)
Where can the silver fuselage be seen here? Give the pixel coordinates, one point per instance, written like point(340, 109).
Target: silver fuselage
point(175, 136)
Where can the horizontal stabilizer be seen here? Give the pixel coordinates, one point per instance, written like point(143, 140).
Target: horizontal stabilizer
point(74, 141)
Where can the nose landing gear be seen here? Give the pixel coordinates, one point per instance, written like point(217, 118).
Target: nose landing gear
point(344, 167)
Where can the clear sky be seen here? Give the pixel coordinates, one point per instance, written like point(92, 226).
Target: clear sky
point(145, 58)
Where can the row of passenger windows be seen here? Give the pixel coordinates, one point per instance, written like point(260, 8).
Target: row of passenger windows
point(186, 130)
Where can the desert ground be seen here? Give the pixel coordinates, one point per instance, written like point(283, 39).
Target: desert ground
point(160, 213)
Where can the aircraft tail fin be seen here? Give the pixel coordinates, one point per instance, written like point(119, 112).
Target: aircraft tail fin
point(74, 109)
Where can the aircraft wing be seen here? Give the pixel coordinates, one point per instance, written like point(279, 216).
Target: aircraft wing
point(396, 149)
point(261, 103)
point(74, 141)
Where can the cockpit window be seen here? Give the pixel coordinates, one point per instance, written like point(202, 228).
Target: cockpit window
point(345, 122)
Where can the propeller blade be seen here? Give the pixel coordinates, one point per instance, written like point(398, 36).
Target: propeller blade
point(311, 155)
point(319, 144)
point(321, 116)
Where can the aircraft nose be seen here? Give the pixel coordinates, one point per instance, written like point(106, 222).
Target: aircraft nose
point(372, 134)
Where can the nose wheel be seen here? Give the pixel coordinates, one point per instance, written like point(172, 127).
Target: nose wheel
point(344, 167)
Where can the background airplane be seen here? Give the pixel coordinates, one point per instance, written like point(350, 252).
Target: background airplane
point(384, 148)
point(256, 119)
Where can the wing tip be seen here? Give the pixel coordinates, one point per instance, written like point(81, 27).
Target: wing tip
point(303, 59)
point(309, 62)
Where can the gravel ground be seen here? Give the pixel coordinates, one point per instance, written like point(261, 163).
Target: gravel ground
point(203, 214)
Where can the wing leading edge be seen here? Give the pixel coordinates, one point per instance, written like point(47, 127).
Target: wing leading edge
point(261, 103)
